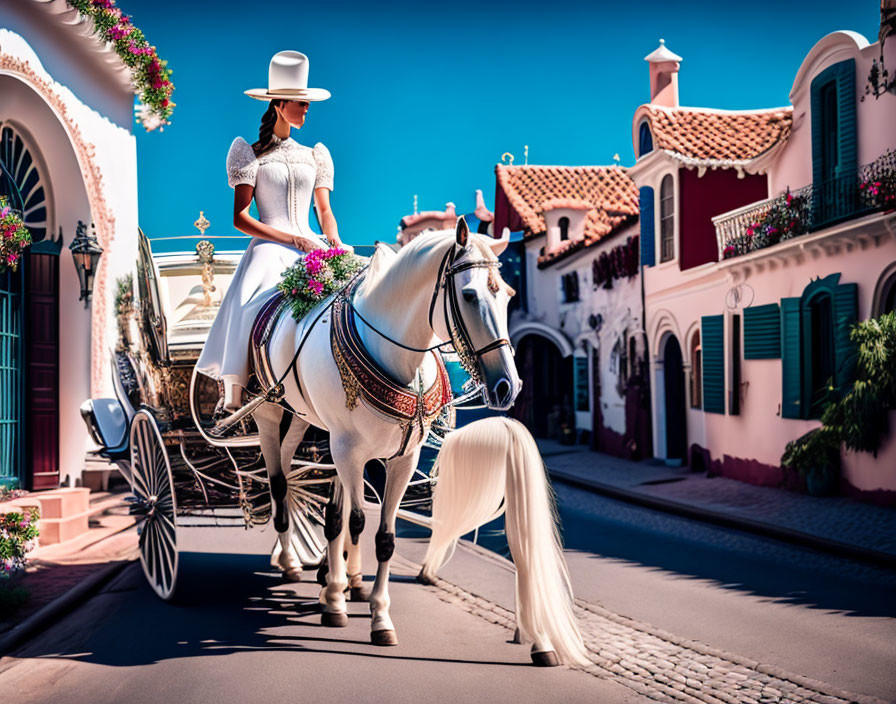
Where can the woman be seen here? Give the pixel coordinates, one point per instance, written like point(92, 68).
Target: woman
point(280, 174)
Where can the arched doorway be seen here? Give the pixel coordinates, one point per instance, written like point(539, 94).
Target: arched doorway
point(675, 400)
point(544, 405)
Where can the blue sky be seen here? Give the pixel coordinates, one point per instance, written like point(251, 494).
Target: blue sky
point(427, 96)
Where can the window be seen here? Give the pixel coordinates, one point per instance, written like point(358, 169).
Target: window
point(829, 130)
point(667, 220)
point(885, 292)
point(834, 143)
point(816, 349)
point(564, 229)
point(570, 284)
point(580, 373)
point(696, 372)
point(645, 139)
point(21, 181)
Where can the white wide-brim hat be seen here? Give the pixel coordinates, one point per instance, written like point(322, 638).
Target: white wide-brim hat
point(288, 80)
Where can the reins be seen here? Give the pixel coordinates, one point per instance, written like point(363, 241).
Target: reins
point(454, 321)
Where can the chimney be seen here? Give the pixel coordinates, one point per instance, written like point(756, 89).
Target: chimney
point(663, 76)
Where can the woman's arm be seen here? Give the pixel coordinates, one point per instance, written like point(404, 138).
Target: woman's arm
point(325, 216)
point(242, 221)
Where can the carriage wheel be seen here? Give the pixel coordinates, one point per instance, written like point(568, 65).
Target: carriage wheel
point(155, 502)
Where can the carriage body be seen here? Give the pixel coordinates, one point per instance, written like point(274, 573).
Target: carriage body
point(157, 427)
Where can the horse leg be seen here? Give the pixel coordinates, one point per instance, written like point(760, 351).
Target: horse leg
point(333, 595)
point(285, 556)
point(268, 417)
point(351, 471)
point(357, 592)
point(398, 474)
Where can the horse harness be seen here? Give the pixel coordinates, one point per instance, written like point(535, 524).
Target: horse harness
point(361, 375)
point(411, 407)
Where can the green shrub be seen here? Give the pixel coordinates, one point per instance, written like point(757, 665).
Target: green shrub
point(860, 420)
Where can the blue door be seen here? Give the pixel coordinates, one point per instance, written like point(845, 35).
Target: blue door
point(11, 386)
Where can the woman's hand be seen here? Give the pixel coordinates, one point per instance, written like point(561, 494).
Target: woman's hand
point(306, 244)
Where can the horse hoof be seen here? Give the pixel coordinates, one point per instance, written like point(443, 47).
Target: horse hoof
point(334, 619)
point(545, 658)
point(359, 594)
point(383, 638)
point(423, 579)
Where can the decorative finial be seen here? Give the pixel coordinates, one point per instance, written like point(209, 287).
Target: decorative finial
point(508, 157)
point(415, 204)
point(662, 42)
point(616, 158)
point(202, 223)
point(526, 154)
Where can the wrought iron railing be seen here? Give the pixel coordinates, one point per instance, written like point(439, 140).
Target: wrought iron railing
point(814, 207)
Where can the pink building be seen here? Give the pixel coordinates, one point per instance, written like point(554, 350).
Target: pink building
point(412, 225)
point(751, 289)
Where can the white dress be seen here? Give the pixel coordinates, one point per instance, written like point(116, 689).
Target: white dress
point(284, 179)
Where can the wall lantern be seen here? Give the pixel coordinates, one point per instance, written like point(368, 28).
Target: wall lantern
point(86, 252)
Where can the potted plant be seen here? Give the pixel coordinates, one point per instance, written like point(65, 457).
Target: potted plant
point(816, 456)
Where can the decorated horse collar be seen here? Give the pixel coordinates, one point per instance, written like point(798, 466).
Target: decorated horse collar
point(363, 378)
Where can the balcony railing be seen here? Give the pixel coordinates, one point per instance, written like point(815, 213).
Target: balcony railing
point(819, 205)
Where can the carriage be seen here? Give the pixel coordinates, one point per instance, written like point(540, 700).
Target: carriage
point(158, 428)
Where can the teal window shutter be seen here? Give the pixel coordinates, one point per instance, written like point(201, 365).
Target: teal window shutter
point(762, 332)
point(648, 236)
point(834, 142)
point(712, 339)
point(846, 314)
point(847, 139)
point(791, 359)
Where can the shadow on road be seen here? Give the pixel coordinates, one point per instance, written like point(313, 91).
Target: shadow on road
point(225, 604)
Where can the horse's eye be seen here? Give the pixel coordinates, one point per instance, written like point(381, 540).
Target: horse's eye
point(469, 295)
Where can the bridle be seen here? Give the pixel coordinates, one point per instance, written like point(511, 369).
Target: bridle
point(461, 340)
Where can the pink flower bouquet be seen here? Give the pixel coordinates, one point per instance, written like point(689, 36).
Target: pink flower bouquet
point(315, 276)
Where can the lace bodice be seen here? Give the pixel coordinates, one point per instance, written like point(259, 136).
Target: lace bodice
point(284, 179)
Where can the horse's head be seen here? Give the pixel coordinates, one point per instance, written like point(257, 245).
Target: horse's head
point(475, 305)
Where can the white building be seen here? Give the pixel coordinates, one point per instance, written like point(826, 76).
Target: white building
point(577, 319)
point(68, 152)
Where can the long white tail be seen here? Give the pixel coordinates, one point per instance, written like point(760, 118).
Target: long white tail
point(479, 466)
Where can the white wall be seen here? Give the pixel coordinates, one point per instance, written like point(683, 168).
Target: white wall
point(114, 158)
point(619, 307)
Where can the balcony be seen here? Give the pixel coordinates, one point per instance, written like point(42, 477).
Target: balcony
point(814, 207)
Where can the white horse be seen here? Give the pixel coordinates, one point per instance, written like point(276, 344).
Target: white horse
point(442, 287)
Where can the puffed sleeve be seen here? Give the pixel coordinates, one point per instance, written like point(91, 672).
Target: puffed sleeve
point(324, 163)
point(241, 163)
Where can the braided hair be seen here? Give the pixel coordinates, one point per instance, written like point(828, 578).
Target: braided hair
point(266, 131)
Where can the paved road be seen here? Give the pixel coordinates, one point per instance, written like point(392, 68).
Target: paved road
point(812, 614)
point(240, 635)
point(672, 609)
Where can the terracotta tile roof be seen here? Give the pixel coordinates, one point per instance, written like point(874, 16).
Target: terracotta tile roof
point(569, 203)
point(718, 135)
point(610, 194)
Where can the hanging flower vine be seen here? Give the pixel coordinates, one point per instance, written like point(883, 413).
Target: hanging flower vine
point(14, 237)
point(151, 76)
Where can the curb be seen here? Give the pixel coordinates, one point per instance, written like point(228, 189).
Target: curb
point(768, 530)
point(60, 606)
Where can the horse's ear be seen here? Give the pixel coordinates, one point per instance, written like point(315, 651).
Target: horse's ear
point(462, 232)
